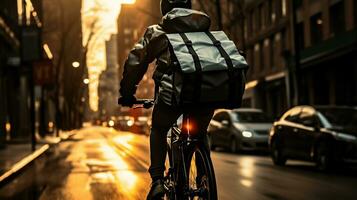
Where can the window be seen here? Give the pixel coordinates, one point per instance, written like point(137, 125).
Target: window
point(250, 55)
point(127, 31)
point(251, 117)
point(355, 12)
point(257, 56)
point(298, 3)
point(253, 23)
point(246, 28)
point(267, 53)
point(292, 115)
point(277, 45)
point(283, 7)
point(337, 18)
point(261, 56)
point(273, 11)
point(300, 35)
point(219, 117)
point(258, 18)
point(270, 11)
point(272, 47)
point(308, 117)
point(316, 24)
point(262, 16)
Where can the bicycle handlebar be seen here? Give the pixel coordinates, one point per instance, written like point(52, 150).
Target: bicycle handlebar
point(146, 103)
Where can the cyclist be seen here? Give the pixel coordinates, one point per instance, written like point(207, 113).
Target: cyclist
point(178, 17)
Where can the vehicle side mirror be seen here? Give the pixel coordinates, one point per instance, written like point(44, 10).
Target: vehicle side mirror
point(225, 123)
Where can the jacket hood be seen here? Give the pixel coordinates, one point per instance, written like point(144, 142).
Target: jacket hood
point(180, 20)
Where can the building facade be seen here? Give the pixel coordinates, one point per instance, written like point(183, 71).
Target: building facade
point(300, 53)
point(267, 34)
point(62, 33)
point(108, 81)
point(327, 31)
point(20, 26)
point(9, 47)
point(132, 23)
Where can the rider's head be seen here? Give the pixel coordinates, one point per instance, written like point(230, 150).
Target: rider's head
point(168, 5)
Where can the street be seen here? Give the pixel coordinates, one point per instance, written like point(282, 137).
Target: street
point(101, 163)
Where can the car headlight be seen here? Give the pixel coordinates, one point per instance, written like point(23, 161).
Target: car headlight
point(247, 134)
point(111, 123)
point(130, 123)
point(345, 137)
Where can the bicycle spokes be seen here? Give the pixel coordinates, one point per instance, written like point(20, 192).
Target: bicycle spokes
point(198, 179)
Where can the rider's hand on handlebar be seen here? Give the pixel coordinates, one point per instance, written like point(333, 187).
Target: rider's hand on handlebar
point(127, 101)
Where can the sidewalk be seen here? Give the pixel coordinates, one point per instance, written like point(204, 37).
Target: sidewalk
point(15, 157)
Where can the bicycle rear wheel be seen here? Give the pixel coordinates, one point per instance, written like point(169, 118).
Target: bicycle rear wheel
point(200, 174)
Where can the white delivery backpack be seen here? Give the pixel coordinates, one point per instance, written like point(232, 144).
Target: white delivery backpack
point(206, 71)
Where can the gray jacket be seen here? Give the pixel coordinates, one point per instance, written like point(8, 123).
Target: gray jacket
point(154, 45)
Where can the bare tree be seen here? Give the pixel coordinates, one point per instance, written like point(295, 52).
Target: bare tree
point(63, 32)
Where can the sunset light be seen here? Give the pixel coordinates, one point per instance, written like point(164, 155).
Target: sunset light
point(103, 14)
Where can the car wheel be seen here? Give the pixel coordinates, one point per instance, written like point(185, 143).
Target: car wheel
point(233, 147)
point(213, 147)
point(210, 141)
point(323, 157)
point(277, 155)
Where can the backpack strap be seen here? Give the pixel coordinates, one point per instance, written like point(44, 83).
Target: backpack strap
point(224, 54)
point(198, 67)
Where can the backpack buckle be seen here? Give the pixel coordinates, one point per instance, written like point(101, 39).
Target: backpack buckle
point(217, 43)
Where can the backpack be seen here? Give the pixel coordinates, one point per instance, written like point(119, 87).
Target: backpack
point(206, 70)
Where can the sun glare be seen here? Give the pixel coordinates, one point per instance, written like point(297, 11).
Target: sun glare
point(104, 13)
point(128, 1)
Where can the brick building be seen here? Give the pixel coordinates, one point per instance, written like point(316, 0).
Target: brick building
point(327, 31)
point(324, 32)
point(267, 33)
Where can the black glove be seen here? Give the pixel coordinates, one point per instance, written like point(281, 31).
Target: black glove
point(127, 101)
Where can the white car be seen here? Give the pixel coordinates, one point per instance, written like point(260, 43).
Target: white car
point(240, 129)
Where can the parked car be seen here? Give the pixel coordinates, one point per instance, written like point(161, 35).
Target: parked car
point(124, 123)
point(142, 125)
point(240, 129)
point(323, 134)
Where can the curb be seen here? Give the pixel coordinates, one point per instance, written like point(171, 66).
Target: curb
point(16, 168)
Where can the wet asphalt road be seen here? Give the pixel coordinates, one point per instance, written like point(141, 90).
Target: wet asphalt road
point(101, 163)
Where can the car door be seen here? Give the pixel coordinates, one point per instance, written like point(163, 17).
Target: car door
point(226, 130)
point(216, 129)
point(289, 130)
point(306, 132)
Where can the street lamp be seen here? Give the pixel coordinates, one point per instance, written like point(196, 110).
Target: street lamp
point(86, 81)
point(75, 64)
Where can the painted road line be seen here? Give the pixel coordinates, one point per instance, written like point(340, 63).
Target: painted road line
point(124, 151)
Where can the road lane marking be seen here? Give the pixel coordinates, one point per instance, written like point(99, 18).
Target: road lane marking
point(124, 151)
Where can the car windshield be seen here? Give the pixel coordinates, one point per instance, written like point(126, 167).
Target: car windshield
point(341, 117)
point(252, 117)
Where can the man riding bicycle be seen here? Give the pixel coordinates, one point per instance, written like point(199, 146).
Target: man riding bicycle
point(178, 17)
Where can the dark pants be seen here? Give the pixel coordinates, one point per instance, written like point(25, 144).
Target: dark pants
point(163, 117)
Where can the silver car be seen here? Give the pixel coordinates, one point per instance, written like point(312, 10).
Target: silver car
point(240, 129)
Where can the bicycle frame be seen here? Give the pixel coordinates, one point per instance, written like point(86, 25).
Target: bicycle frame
point(179, 140)
point(182, 145)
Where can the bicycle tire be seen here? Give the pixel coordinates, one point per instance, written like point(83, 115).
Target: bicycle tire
point(199, 151)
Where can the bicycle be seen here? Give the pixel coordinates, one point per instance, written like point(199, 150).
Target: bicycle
point(190, 174)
